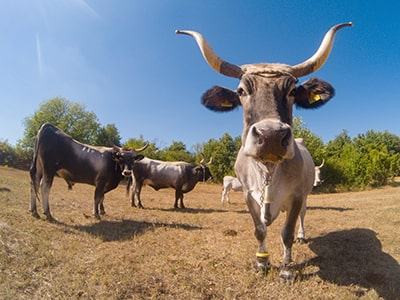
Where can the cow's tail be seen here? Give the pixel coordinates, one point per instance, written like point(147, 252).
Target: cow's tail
point(33, 171)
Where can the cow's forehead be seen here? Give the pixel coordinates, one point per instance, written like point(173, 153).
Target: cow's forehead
point(268, 70)
point(128, 152)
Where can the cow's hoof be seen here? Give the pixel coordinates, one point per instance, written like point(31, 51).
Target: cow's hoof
point(301, 240)
point(97, 216)
point(286, 273)
point(50, 219)
point(262, 263)
point(35, 214)
point(102, 212)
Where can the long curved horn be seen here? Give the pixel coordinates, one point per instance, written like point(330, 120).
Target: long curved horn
point(209, 163)
point(143, 148)
point(211, 58)
point(319, 58)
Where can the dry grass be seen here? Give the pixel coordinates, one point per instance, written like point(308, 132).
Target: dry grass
point(206, 251)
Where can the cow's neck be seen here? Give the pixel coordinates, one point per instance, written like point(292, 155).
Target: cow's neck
point(267, 171)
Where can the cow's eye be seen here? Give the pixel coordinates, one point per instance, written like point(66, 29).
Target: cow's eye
point(240, 91)
point(292, 92)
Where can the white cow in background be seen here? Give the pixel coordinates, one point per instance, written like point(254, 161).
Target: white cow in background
point(317, 180)
point(233, 183)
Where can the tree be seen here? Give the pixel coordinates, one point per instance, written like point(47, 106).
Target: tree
point(108, 136)
point(223, 153)
point(69, 116)
point(177, 152)
point(7, 154)
point(151, 151)
point(314, 144)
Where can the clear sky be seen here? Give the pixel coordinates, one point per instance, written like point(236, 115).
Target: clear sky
point(122, 60)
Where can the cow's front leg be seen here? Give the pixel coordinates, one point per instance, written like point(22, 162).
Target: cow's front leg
point(301, 234)
point(179, 197)
point(287, 236)
point(260, 232)
point(133, 193)
point(137, 191)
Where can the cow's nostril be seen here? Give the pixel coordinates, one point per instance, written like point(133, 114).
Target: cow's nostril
point(286, 136)
point(259, 135)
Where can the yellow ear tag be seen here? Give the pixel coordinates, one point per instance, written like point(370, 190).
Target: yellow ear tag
point(314, 98)
point(226, 104)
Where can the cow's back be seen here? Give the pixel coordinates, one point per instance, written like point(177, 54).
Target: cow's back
point(158, 174)
point(59, 153)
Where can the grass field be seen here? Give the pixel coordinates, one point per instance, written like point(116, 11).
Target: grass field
point(205, 251)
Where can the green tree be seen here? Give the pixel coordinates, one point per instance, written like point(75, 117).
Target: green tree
point(69, 116)
point(177, 152)
point(314, 144)
point(8, 156)
point(223, 153)
point(108, 136)
point(152, 151)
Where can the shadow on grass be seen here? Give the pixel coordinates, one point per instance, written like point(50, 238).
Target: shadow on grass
point(126, 229)
point(190, 210)
point(196, 210)
point(341, 209)
point(355, 257)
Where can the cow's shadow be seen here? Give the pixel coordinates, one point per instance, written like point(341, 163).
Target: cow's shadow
point(189, 210)
point(340, 209)
point(355, 257)
point(126, 229)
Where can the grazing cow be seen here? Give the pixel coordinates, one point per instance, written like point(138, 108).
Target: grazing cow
point(276, 171)
point(230, 183)
point(181, 176)
point(57, 153)
point(318, 180)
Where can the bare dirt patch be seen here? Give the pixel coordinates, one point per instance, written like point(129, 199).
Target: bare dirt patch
point(206, 251)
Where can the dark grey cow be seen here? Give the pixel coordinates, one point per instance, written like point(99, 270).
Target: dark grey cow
point(276, 172)
point(57, 153)
point(181, 176)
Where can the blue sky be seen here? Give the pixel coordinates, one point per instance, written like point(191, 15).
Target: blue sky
point(123, 61)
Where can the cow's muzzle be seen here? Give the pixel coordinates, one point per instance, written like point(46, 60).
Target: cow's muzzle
point(269, 141)
point(126, 173)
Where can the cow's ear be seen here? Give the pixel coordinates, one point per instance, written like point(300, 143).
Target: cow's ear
point(220, 99)
point(313, 93)
point(139, 157)
point(198, 169)
point(115, 155)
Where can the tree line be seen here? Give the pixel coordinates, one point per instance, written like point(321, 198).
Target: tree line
point(371, 159)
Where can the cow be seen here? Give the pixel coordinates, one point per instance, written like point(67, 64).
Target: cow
point(276, 172)
point(318, 181)
point(56, 153)
point(230, 183)
point(181, 176)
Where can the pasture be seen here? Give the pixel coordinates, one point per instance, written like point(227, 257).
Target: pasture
point(205, 251)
